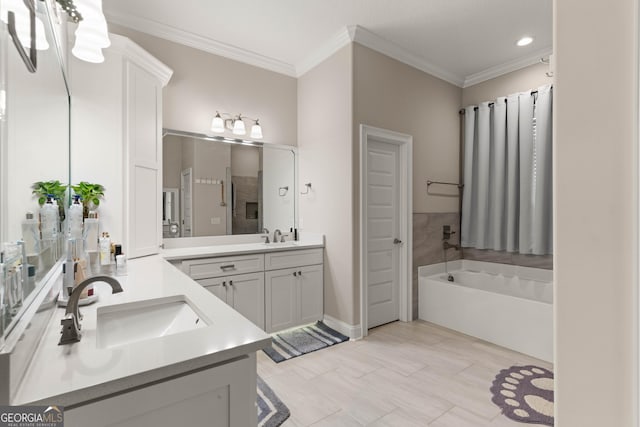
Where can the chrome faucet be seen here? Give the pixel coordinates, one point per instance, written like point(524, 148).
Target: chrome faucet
point(277, 234)
point(71, 320)
point(265, 231)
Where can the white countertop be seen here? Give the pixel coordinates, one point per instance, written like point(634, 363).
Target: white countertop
point(315, 241)
point(69, 375)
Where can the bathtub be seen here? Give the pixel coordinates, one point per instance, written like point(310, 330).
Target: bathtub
point(507, 305)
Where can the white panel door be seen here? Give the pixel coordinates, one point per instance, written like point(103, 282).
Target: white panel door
point(144, 160)
point(382, 222)
point(186, 191)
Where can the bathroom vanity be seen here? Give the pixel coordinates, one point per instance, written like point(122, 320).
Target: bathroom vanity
point(127, 370)
point(179, 343)
point(275, 285)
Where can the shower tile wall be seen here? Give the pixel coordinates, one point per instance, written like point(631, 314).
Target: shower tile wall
point(427, 248)
point(245, 214)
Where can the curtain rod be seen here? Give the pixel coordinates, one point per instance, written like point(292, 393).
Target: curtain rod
point(491, 104)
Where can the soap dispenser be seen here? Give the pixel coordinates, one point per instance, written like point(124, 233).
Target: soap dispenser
point(75, 218)
point(49, 219)
point(31, 235)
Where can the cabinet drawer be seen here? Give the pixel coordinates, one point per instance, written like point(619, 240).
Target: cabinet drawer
point(277, 260)
point(223, 266)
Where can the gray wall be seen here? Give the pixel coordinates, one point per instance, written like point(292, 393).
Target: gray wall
point(203, 83)
point(596, 212)
point(325, 113)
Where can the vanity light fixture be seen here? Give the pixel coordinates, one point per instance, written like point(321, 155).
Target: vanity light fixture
point(235, 124)
point(92, 34)
point(524, 41)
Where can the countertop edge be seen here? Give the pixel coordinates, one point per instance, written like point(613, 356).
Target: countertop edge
point(167, 255)
point(88, 395)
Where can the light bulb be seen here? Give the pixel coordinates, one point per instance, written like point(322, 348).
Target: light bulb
point(87, 52)
point(217, 124)
point(92, 34)
point(238, 127)
point(256, 130)
point(524, 41)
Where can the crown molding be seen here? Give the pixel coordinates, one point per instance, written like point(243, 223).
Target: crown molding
point(507, 67)
point(331, 46)
point(136, 54)
point(352, 33)
point(388, 48)
point(202, 43)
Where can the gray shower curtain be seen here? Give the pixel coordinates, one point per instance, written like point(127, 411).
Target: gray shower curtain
point(507, 197)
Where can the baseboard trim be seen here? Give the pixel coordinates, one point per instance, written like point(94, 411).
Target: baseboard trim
point(352, 331)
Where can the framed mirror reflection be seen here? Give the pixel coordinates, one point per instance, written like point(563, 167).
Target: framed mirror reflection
point(215, 186)
point(34, 157)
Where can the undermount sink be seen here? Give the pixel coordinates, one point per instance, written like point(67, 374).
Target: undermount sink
point(139, 321)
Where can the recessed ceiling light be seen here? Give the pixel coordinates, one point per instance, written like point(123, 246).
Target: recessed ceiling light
point(526, 40)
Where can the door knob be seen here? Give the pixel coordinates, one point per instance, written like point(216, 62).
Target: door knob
point(397, 241)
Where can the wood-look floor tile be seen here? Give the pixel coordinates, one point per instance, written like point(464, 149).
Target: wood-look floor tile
point(341, 419)
point(401, 374)
point(459, 417)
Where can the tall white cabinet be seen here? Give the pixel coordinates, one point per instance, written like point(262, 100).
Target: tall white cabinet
point(116, 140)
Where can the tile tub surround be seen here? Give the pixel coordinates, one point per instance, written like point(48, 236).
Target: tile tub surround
point(427, 248)
point(427, 244)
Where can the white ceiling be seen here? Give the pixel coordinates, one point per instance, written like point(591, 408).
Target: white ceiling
point(461, 41)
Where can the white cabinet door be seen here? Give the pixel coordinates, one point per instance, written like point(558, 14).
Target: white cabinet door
point(217, 286)
point(245, 293)
point(222, 396)
point(311, 294)
point(281, 299)
point(143, 154)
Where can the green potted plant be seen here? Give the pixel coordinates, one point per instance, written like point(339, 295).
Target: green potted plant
point(90, 195)
point(42, 189)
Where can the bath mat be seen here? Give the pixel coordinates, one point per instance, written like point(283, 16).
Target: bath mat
point(271, 411)
point(525, 394)
point(296, 342)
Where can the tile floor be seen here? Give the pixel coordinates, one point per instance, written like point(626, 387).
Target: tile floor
point(402, 374)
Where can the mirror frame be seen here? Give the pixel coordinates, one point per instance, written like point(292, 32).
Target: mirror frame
point(57, 27)
point(249, 142)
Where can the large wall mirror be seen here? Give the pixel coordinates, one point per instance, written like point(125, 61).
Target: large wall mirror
point(34, 147)
point(214, 186)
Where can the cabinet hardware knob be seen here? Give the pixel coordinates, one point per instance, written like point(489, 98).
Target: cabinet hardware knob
point(230, 282)
point(299, 273)
point(224, 284)
point(295, 274)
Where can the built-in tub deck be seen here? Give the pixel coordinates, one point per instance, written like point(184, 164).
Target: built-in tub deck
point(507, 305)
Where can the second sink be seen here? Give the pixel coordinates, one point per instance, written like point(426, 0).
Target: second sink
point(139, 321)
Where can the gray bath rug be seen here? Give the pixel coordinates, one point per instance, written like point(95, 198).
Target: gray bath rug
point(525, 394)
point(271, 411)
point(296, 342)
